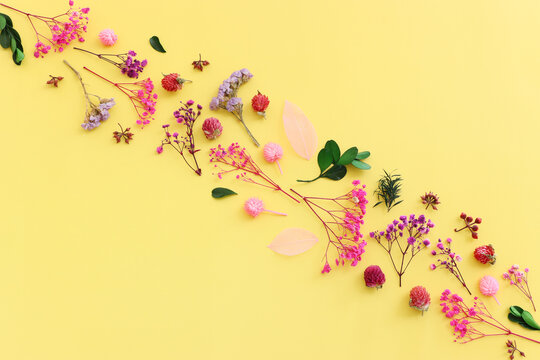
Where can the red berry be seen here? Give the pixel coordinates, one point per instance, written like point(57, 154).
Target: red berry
point(478, 220)
point(469, 219)
point(474, 228)
point(463, 215)
point(475, 235)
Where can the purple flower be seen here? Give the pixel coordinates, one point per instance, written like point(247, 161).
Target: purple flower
point(214, 104)
point(427, 242)
point(233, 104)
point(411, 240)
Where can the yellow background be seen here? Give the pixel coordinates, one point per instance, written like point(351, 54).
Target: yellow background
point(109, 251)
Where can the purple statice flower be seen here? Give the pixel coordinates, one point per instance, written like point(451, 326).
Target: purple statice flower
point(227, 97)
point(126, 62)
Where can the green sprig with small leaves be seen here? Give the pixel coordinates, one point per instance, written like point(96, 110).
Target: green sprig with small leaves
point(523, 318)
point(333, 164)
point(10, 38)
point(389, 190)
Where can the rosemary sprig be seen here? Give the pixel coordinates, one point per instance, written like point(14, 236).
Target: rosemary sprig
point(388, 190)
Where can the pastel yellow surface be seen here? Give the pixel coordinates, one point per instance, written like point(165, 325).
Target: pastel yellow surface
point(112, 252)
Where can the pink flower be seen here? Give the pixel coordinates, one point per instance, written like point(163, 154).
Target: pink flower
point(212, 128)
point(108, 37)
point(159, 149)
point(374, 277)
point(419, 298)
point(432, 266)
point(326, 269)
point(254, 207)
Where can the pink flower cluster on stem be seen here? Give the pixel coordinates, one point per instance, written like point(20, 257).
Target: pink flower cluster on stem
point(414, 229)
point(141, 95)
point(472, 323)
point(449, 261)
point(235, 158)
point(519, 279)
point(341, 223)
point(63, 28)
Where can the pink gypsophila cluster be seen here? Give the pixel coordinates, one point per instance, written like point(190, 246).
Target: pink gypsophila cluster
point(141, 95)
point(235, 158)
point(519, 279)
point(342, 218)
point(413, 229)
point(449, 261)
point(472, 323)
point(63, 28)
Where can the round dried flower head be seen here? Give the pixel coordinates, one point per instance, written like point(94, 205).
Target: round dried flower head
point(108, 37)
point(272, 152)
point(212, 128)
point(260, 103)
point(254, 207)
point(489, 286)
point(374, 277)
point(173, 82)
point(485, 254)
point(419, 298)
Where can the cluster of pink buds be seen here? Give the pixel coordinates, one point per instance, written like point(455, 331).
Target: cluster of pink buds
point(63, 28)
point(470, 224)
point(141, 95)
point(342, 224)
point(449, 261)
point(519, 279)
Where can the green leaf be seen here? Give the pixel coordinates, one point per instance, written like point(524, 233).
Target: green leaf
point(220, 192)
point(363, 155)
point(514, 318)
point(361, 165)
point(18, 56)
point(336, 172)
point(527, 317)
point(516, 310)
point(3, 22)
point(5, 39)
point(156, 45)
point(324, 159)
point(13, 44)
point(333, 147)
point(8, 20)
point(348, 156)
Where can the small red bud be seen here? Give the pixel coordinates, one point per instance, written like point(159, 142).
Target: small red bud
point(474, 228)
point(469, 219)
point(463, 215)
point(478, 220)
point(475, 235)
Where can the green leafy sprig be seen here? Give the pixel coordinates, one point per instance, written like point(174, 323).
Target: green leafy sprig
point(332, 163)
point(389, 190)
point(523, 318)
point(10, 38)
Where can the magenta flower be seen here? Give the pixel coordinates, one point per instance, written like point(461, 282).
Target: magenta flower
point(126, 62)
point(449, 262)
point(519, 279)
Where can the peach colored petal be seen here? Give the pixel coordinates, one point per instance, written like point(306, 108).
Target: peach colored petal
point(293, 241)
point(299, 131)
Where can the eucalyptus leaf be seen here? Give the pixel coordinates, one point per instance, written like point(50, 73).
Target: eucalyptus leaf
point(156, 44)
point(361, 165)
point(220, 192)
point(514, 318)
point(336, 172)
point(3, 22)
point(9, 22)
point(324, 159)
point(516, 310)
point(5, 38)
point(363, 155)
point(527, 317)
point(13, 44)
point(18, 56)
point(348, 156)
point(333, 147)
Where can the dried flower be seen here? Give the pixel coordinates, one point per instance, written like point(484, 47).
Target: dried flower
point(342, 225)
point(63, 28)
point(470, 225)
point(173, 82)
point(108, 37)
point(430, 199)
point(272, 152)
point(485, 254)
point(519, 279)
point(254, 207)
point(126, 62)
point(388, 190)
point(212, 128)
point(419, 299)
point(513, 348)
point(198, 64)
point(489, 287)
point(236, 159)
point(141, 95)
point(472, 323)
point(54, 80)
point(260, 103)
point(123, 134)
point(449, 261)
point(185, 115)
point(413, 229)
point(374, 277)
point(96, 112)
point(227, 99)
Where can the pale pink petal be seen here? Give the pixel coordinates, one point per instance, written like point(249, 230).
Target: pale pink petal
point(299, 131)
point(293, 241)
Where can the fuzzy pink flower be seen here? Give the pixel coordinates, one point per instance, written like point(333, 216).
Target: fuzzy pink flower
point(489, 287)
point(272, 152)
point(108, 37)
point(212, 128)
point(374, 277)
point(419, 298)
point(254, 207)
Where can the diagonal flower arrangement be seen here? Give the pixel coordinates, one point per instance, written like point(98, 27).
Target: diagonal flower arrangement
point(341, 217)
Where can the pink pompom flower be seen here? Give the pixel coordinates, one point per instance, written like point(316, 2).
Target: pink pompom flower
point(272, 153)
point(108, 37)
point(419, 299)
point(489, 286)
point(374, 277)
point(254, 206)
point(212, 128)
